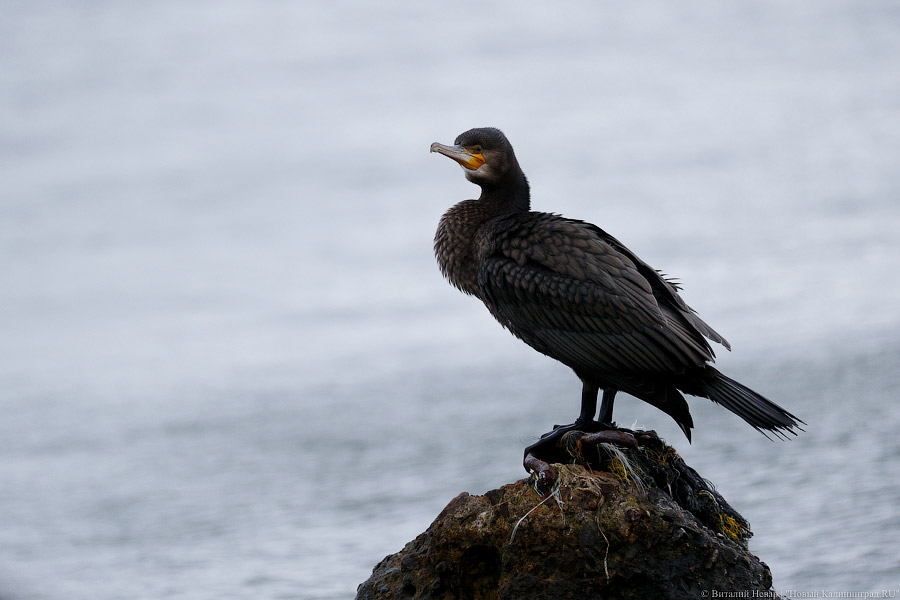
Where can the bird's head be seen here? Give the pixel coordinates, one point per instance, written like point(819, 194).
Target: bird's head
point(485, 155)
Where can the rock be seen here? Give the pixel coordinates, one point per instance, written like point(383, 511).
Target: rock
point(625, 524)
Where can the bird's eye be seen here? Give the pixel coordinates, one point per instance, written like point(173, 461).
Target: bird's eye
point(476, 149)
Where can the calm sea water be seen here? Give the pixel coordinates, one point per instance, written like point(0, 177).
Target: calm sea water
point(230, 367)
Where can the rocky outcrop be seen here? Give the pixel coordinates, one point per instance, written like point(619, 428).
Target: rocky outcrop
point(628, 523)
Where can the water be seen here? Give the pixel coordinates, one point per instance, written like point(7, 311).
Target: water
point(230, 367)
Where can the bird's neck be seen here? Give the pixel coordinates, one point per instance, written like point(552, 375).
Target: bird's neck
point(508, 195)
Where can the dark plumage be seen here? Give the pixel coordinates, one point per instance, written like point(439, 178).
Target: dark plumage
point(575, 293)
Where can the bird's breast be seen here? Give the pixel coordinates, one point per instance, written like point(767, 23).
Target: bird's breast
point(456, 244)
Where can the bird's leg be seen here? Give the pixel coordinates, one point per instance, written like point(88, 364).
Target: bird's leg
point(588, 405)
point(606, 408)
point(549, 448)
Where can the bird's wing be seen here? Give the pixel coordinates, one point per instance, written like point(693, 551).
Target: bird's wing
point(665, 289)
point(569, 293)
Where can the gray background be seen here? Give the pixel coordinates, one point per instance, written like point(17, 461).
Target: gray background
point(230, 367)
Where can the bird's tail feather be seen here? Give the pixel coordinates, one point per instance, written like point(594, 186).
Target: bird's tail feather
point(760, 412)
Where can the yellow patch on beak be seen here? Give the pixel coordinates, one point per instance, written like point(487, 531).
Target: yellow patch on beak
point(476, 159)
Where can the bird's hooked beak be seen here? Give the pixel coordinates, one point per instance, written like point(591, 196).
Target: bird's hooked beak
point(467, 157)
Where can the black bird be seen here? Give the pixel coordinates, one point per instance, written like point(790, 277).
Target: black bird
point(570, 290)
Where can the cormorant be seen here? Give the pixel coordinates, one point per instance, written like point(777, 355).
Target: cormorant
point(570, 290)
